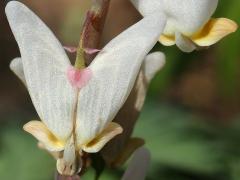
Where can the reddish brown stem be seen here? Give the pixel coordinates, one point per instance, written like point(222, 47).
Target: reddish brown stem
point(93, 27)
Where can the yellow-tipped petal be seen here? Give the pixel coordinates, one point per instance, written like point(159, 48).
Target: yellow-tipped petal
point(213, 31)
point(167, 40)
point(40, 131)
point(108, 133)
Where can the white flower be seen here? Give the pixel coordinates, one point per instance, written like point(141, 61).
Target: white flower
point(188, 22)
point(76, 119)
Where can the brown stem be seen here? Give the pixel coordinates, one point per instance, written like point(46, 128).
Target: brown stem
point(92, 29)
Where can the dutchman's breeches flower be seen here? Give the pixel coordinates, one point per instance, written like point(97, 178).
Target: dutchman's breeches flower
point(189, 23)
point(76, 107)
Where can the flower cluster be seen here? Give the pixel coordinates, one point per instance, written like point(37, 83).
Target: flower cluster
point(77, 105)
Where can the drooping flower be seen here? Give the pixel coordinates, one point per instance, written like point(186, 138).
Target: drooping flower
point(189, 23)
point(76, 107)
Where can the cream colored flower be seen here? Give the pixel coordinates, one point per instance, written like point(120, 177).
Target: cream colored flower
point(189, 23)
point(76, 108)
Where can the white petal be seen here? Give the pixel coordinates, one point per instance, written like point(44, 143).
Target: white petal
point(17, 67)
point(184, 43)
point(129, 113)
point(114, 73)
point(148, 7)
point(152, 64)
point(45, 65)
point(138, 166)
point(185, 16)
point(67, 164)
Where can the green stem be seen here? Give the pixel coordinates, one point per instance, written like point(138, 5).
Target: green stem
point(80, 63)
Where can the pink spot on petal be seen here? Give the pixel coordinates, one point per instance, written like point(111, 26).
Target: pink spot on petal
point(70, 49)
point(91, 51)
point(79, 78)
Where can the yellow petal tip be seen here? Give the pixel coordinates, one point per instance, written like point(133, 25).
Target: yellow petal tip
point(40, 131)
point(31, 126)
point(113, 129)
point(214, 31)
point(167, 40)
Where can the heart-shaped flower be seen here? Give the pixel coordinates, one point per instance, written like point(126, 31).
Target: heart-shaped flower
point(76, 108)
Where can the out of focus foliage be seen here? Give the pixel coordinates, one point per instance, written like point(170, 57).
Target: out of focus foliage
point(183, 147)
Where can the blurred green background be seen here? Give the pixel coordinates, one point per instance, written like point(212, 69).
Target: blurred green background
point(191, 120)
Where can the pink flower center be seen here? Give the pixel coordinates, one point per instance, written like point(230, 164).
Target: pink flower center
point(79, 78)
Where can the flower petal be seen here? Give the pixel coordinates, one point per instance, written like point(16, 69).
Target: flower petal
point(152, 64)
point(138, 166)
point(45, 65)
point(17, 67)
point(107, 134)
point(129, 113)
point(68, 164)
point(148, 7)
point(40, 131)
point(167, 40)
point(114, 72)
point(184, 43)
point(214, 31)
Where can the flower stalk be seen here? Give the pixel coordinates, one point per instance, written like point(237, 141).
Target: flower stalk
point(91, 33)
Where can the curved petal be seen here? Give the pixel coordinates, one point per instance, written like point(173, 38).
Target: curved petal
point(184, 43)
point(167, 40)
point(214, 31)
point(114, 72)
point(45, 65)
point(129, 113)
point(148, 7)
point(41, 133)
point(152, 64)
point(211, 33)
point(17, 67)
point(108, 133)
point(68, 164)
